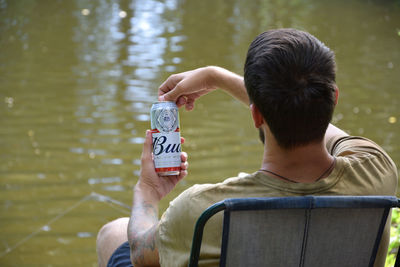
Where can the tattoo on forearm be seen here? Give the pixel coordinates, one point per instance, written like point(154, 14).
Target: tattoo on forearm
point(145, 208)
point(143, 245)
point(142, 231)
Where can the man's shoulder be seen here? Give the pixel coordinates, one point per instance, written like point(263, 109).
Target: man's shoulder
point(354, 143)
point(366, 165)
point(358, 147)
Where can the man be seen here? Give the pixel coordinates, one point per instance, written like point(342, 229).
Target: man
point(289, 85)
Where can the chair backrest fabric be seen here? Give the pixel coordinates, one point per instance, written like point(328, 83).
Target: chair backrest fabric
point(324, 237)
point(303, 231)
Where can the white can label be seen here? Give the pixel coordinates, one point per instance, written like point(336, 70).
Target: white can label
point(166, 150)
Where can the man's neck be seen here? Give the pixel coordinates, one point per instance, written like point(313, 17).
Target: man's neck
point(303, 164)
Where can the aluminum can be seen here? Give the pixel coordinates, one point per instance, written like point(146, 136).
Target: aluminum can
point(166, 138)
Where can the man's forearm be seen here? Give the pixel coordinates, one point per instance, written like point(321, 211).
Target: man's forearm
point(142, 228)
point(148, 192)
point(231, 83)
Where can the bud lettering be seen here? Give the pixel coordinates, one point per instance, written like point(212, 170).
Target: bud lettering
point(160, 146)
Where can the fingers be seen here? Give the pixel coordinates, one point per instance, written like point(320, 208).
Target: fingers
point(181, 101)
point(169, 84)
point(184, 165)
point(174, 94)
point(170, 89)
point(189, 104)
point(184, 157)
point(182, 175)
point(183, 172)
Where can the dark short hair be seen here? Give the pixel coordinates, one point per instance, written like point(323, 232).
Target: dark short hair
point(290, 77)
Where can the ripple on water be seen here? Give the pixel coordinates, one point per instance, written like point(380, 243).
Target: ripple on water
point(104, 180)
point(108, 132)
point(136, 140)
point(114, 188)
point(142, 117)
point(112, 161)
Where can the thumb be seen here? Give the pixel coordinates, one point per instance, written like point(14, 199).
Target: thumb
point(147, 148)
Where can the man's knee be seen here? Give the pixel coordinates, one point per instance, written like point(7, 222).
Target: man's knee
point(110, 237)
point(114, 228)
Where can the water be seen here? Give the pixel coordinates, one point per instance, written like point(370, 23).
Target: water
point(77, 79)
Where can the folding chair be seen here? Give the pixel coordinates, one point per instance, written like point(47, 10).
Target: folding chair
point(298, 231)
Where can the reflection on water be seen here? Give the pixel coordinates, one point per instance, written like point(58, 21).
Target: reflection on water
point(77, 79)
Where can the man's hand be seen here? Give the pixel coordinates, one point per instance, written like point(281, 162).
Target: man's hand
point(149, 180)
point(184, 88)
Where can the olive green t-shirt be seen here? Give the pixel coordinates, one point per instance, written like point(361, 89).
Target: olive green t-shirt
point(362, 168)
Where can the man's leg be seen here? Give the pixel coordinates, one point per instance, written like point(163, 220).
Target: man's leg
point(109, 238)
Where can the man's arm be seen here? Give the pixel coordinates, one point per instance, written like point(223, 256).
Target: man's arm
point(231, 83)
point(148, 192)
point(184, 88)
point(142, 227)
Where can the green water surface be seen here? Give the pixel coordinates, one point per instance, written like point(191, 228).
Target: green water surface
point(78, 77)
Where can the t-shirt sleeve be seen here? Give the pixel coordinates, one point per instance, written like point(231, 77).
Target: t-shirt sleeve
point(352, 145)
point(369, 162)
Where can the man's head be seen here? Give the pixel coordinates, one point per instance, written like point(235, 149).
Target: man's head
point(290, 78)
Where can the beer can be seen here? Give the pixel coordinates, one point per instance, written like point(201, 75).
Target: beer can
point(166, 138)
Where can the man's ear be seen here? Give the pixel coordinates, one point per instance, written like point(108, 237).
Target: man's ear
point(336, 95)
point(257, 117)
